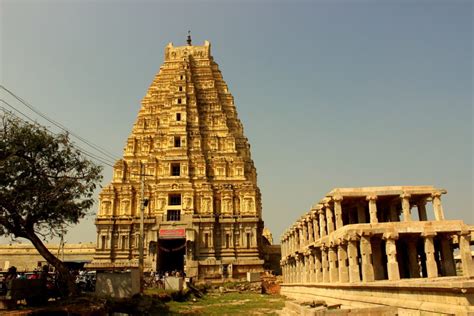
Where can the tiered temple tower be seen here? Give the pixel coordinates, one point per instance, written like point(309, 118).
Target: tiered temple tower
point(204, 212)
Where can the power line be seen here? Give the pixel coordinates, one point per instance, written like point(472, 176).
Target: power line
point(101, 160)
point(32, 108)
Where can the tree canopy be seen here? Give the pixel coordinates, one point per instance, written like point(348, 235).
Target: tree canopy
point(45, 183)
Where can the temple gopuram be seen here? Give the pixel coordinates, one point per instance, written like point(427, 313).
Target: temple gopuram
point(381, 246)
point(203, 213)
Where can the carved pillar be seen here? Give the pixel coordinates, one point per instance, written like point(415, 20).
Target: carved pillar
point(413, 266)
point(377, 263)
point(322, 223)
point(325, 263)
point(391, 251)
point(318, 266)
point(309, 222)
point(342, 262)
point(394, 213)
point(431, 267)
point(283, 271)
point(333, 271)
point(315, 218)
point(437, 207)
point(298, 269)
point(373, 208)
point(301, 237)
point(465, 252)
point(447, 258)
point(361, 218)
point(305, 233)
point(421, 205)
point(289, 243)
point(406, 207)
point(329, 218)
point(338, 211)
point(304, 270)
point(354, 272)
point(311, 274)
point(366, 254)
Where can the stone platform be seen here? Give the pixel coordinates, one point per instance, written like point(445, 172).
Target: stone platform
point(439, 296)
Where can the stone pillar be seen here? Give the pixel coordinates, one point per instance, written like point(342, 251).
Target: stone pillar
point(304, 269)
point(421, 205)
point(447, 258)
point(315, 226)
point(391, 251)
point(290, 243)
point(342, 262)
point(296, 238)
point(325, 263)
point(301, 237)
point(318, 266)
point(283, 270)
point(322, 223)
point(305, 233)
point(352, 245)
point(333, 271)
point(372, 208)
point(437, 207)
point(298, 269)
point(361, 218)
point(394, 213)
point(366, 254)
point(309, 222)
point(431, 267)
point(377, 263)
point(406, 207)
point(413, 267)
point(338, 211)
point(290, 271)
point(311, 274)
point(329, 218)
point(465, 252)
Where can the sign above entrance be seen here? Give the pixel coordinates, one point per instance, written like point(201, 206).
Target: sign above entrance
point(172, 233)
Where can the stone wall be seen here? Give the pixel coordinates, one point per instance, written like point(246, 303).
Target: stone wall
point(26, 258)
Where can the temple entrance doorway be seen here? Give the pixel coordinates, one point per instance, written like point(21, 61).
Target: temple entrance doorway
point(171, 253)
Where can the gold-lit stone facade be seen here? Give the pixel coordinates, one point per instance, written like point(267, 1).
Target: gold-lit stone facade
point(200, 181)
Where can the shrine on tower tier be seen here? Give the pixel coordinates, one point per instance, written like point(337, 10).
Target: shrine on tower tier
point(202, 205)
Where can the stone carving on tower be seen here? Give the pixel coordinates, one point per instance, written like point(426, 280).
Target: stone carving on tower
point(199, 179)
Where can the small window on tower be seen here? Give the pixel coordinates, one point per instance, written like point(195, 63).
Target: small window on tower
point(179, 100)
point(174, 199)
point(173, 215)
point(175, 169)
point(180, 88)
point(178, 116)
point(177, 141)
point(181, 77)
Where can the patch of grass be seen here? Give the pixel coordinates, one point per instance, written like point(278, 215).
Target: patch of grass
point(230, 304)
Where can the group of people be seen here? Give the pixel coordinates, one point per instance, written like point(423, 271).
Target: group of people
point(158, 278)
point(13, 274)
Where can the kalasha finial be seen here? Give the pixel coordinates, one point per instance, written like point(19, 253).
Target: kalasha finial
point(189, 38)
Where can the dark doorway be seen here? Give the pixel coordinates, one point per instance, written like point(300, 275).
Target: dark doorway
point(171, 254)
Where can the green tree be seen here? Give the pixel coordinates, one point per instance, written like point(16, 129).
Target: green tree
point(45, 185)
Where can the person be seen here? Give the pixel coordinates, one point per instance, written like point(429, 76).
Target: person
point(11, 274)
point(9, 277)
